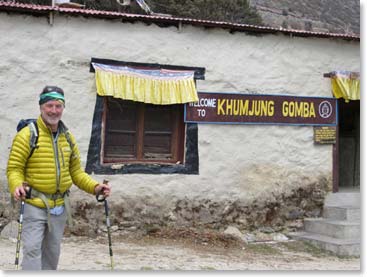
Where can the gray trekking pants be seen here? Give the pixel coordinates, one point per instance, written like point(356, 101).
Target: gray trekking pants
point(41, 246)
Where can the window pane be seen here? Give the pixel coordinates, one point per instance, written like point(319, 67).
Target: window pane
point(158, 117)
point(120, 137)
point(158, 129)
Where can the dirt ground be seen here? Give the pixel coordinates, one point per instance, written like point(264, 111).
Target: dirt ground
point(186, 251)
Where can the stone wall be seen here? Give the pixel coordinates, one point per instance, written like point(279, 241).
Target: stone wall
point(280, 212)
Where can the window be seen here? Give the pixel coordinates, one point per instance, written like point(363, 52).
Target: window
point(139, 132)
point(135, 137)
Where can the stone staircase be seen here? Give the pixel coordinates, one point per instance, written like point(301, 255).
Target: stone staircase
point(339, 229)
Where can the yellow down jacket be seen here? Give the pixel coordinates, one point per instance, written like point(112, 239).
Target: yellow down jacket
point(51, 167)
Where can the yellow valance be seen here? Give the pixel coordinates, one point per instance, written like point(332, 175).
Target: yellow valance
point(153, 86)
point(345, 84)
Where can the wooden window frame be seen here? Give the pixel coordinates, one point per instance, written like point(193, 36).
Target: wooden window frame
point(190, 150)
point(176, 141)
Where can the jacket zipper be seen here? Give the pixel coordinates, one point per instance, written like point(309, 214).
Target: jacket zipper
point(54, 144)
point(62, 157)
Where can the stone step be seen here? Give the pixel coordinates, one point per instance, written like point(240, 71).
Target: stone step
point(343, 199)
point(349, 213)
point(333, 228)
point(340, 247)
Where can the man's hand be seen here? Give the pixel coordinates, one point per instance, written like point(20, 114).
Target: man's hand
point(20, 192)
point(104, 189)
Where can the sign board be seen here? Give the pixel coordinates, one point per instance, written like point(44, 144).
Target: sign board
point(233, 108)
point(324, 134)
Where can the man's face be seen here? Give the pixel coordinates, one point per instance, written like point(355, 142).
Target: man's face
point(51, 113)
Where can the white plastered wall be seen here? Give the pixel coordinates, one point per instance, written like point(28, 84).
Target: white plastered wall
point(235, 161)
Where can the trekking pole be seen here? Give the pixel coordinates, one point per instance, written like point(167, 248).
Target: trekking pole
point(20, 227)
point(101, 198)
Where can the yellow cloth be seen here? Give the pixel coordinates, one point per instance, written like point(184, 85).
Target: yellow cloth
point(346, 85)
point(160, 87)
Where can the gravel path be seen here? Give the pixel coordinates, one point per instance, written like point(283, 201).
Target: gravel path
point(157, 253)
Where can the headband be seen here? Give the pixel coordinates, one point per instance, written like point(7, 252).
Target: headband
point(53, 95)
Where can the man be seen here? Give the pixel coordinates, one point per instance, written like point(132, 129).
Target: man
point(49, 171)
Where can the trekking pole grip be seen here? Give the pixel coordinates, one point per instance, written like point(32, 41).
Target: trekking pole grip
point(100, 197)
point(27, 189)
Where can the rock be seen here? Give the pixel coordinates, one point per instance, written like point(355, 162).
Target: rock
point(80, 228)
point(233, 231)
point(131, 229)
point(242, 221)
point(170, 216)
point(249, 237)
point(126, 224)
point(10, 230)
point(313, 213)
point(261, 237)
point(204, 216)
point(294, 214)
point(152, 228)
point(227, 209)
point(280, 237)
point(266, 230)
point(295, 225)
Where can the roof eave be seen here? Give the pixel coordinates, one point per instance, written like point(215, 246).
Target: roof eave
point(237, 27)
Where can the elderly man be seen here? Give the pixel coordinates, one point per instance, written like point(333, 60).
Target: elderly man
point(49, 170)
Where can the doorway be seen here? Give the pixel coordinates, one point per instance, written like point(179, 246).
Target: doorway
point(349, 144)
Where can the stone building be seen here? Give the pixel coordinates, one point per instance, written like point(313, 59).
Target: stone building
point(229, 128)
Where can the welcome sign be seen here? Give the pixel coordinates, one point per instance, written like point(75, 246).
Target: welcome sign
point(232, 108)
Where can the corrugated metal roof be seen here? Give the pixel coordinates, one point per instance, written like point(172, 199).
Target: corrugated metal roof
point(39, 9)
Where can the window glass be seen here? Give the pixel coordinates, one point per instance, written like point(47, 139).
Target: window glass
point(142, 132)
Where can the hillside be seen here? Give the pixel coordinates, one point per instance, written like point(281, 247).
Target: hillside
point(337, 16)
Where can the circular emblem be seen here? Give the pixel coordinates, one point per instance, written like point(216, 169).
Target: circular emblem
point(325, 109)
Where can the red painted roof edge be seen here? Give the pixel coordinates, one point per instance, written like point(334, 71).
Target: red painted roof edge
point(31, 8)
